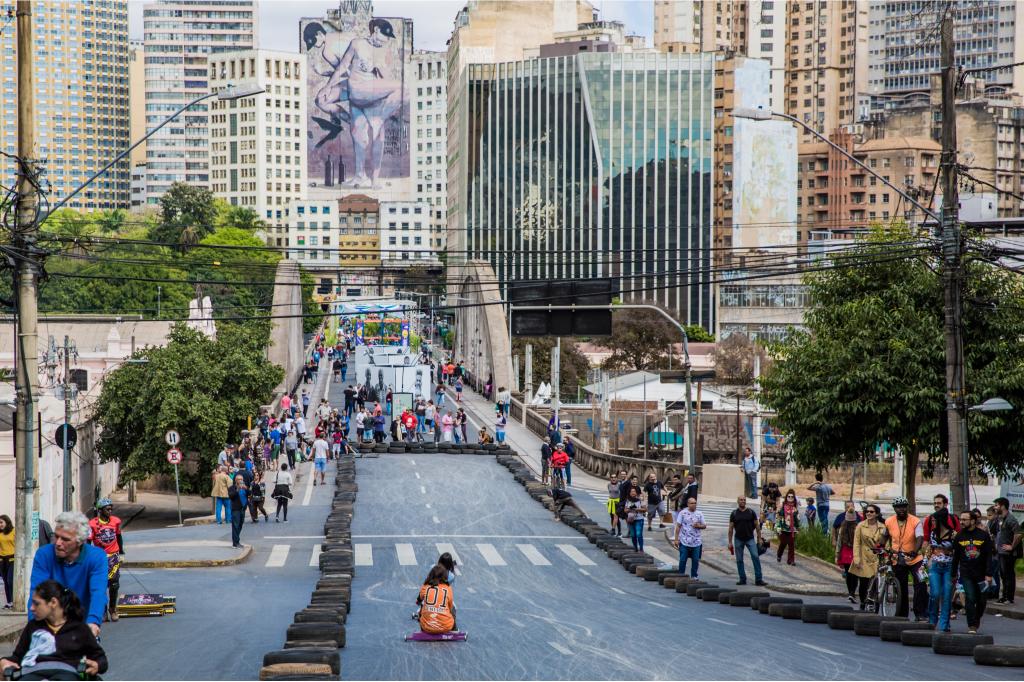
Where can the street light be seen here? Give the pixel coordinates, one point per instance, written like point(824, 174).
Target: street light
point(227, 94)
point(762, 114)
point(990, 405)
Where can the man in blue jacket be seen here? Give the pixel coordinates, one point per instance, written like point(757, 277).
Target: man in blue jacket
point(80, 567)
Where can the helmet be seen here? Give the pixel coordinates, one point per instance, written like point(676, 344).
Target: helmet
point(900, 502)
point(103, 502)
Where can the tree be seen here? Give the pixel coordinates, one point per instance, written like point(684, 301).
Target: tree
point(240, 217)
point(697, 334)
point(573, 365)
point(202, 388)
point(187, 214)
point(734, 359)
point(870, 366)
point(640, 340)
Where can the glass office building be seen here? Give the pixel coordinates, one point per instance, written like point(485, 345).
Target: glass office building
point(594, 165)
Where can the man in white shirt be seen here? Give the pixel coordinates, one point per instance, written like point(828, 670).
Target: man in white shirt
point(686, 536)
point(320, 449)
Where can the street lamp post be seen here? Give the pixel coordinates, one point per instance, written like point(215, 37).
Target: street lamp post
point(990, 405)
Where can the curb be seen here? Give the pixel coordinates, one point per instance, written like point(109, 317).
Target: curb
point(199, 520)
point(192, 563)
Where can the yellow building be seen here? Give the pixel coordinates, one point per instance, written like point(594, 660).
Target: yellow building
point(358, 232)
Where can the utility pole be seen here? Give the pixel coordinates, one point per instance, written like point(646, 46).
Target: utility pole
point(27, 351)
point(67, 423)
point(952, 269)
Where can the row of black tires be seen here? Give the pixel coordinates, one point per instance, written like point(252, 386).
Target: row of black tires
point(836, 616)
point(317, 632)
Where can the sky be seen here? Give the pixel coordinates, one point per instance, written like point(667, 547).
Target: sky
point(432, 19)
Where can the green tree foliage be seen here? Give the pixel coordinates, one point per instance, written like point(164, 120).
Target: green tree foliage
point(697, 334)
point(640, 340)
point(870, 366)
point(240, 217)
point(204, 389)
point(573, 364)
point(187, 214)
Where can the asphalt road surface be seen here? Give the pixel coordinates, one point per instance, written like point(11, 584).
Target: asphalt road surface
point(540, 602)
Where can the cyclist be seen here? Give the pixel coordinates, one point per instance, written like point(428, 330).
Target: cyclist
point(904, 535)
point(436, 602)
point(865, 562)
point(105, 533)
point(559, 459)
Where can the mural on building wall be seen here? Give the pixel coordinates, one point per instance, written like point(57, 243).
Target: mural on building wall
point(358, 110)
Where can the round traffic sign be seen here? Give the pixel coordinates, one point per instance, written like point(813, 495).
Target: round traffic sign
point(66, 433)
point(174, 456)
point(172, 437)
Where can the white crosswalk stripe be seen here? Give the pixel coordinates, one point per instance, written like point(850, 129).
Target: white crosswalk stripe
point(443, 547)
point(278, 555)
point(406, 554)
point(314, 559)
point(576, 555)
point(363, 554)
point(533, 555)
point(490, 554)
point(661, 556)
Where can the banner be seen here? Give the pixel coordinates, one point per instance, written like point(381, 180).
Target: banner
point(359, 332)
point(405, 333)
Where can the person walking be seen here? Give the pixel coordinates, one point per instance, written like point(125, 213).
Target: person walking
point(545, 465)
point(636, 510)
point(499, 426)
point(291, 446)
point(350, 400)
point(462, 423)
point(750, 467)
point(447, 426)
point(867, 536)
point(360, 424)
point(458, 390)
point(379, 422)
point(822, 499)
point(221, 483)
point(105, 533)
point(409, 424)
point(320, 449)
point(282, 492)
point(904, 535)
point(844, 553)
point(744, 536)
point(686, 537)
point(788, 524)
point(504, 399)
point(305, 402)
point(690, 489)
point(570, 449)
point(615, 527)
point(1007, 540)
point(239, 495)
point(972, 554)
point(7, 537)
point(940, 564)
point(257, 497)
point(656, 505)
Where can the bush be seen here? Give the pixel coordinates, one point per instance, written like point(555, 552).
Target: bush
point(811, 542)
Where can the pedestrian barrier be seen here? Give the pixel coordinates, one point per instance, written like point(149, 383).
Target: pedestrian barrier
point(870, 624)
point(890, 630)
point(994, 654)
point(958, 643)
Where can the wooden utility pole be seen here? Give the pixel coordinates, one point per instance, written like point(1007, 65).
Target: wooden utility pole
point(26, 382)
point(952, 273)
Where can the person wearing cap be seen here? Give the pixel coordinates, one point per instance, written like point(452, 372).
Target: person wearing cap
point(105, 533)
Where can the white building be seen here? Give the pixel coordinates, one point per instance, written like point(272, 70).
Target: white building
point(407, 235)
point(179, 37)
point(312, 233)
point(258, 144)
point(430, 141)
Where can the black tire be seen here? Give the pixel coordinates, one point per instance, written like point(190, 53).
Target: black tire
point(723, 596)
point(818, 613)
point(890, 630)
point(788, 611)
point(315, 615)
point(917, 637)
point(330, 632)
point(765, 602)
point(1001, 655)
point(958, 643)
point(842, 620)
point(309, 644)
point(870, 624)
point(693, 586)
point(309, 655)
point(709, 593)
point(741, 598)
point(662, 577)
point(297, 671)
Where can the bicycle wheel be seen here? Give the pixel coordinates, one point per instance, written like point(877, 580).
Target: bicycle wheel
point(889, 599)
point(872, 598)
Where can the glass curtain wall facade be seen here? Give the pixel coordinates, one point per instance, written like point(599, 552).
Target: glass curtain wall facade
point(595, 165)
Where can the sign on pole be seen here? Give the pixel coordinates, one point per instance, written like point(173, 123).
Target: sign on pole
point(172, 437)
point(174, 456)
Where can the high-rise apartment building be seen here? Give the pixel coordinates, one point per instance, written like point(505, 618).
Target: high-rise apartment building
point(430, 141)
point(487, 32)
point(593, 165)
point(903, 45)
point(748, 28)
point(258, 144)
point(81, 98)
point(180, 36)
point(137, 99)
point(827, 67)
point(406, 237)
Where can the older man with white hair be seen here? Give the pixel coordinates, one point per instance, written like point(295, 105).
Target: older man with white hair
point(80, 567)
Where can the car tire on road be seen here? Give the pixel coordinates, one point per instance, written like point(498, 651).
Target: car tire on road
point(1000, 655)
point(297, 671)
point(870, 624)
point(781, 611)
point(765, 603)
point(329, 657)
point(693, 586)
point(890, 630)
point(741, 598)
point(917, 637)
point(818, 613)
point(958, 643)
point(330, 632)
point(709, 593)
point(841, 620)
point(724, 595)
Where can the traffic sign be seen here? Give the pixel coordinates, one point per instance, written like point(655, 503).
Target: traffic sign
point(66, 436)
point(172, 437)
point(174, 456)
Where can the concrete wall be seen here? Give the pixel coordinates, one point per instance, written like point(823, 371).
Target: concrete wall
point(721, 480)
point(481, 328)
point(286, 333)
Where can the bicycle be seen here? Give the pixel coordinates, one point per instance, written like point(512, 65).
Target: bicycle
point(884, 590)
point(558, 478)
